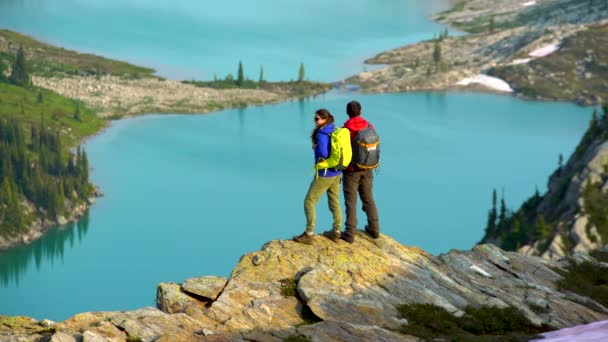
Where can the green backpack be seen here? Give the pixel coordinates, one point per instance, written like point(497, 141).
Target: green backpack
point(340, 151)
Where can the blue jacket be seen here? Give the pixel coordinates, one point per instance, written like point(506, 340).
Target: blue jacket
point(322, 149)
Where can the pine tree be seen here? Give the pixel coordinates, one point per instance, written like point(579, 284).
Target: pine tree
point(5, 197)
point(492, 215)
point(5, 192)
point(491, 25)
point(60, 197)
point(84, 176)
point(51, 201)
point(301, 73)
point(542, 230)
point(261, 74)
point(3, 72)
point(240, 76)
point(12, 214)
point(502, 217)
point(560, 164)
point(516, 232)
point(594, 123)
point(77, 112)
point(19, 75)
point(78, 163)
point(437, 55)
point(70, 169)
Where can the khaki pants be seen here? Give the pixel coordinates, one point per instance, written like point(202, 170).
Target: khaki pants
point(359, 183)
point(318, 187)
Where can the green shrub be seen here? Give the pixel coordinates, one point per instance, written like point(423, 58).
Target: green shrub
point(289, 287)
point(587, 279)
point(478, 324)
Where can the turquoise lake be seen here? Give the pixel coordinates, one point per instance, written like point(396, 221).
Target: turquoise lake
point(186, 39)
point(187, 195)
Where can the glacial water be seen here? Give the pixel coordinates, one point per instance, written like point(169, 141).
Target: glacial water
point(187, 195)
point(187, 39)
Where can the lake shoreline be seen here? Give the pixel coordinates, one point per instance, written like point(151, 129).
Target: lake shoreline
point(126, 91)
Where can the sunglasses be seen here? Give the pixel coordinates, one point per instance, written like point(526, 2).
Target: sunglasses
point(318, 118)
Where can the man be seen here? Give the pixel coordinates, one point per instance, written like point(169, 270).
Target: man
point(358, 181)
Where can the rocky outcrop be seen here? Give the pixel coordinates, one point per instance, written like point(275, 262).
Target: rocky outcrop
point(338, 291)
point(504, 42)
point(576, 72)
point(207, 287)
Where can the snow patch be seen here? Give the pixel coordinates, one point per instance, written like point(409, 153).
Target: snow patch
point(520, 61)
point(544, 51)
point(529, 3)
point(488, 81)
point(538, 53)
point(597, 331)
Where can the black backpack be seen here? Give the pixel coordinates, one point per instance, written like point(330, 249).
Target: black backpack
point(366, 149)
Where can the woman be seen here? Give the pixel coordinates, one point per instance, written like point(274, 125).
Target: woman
point(326, 180)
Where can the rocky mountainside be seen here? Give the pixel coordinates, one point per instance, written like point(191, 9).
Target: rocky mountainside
point(334, 292)
point(551, 49)
point(573, 215)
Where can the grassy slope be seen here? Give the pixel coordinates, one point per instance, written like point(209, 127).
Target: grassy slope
point(57, 111)
point(48, 60)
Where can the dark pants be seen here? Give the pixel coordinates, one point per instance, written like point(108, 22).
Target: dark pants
point(359, 182)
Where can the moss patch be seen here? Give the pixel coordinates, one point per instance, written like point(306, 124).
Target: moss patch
point(10, 325)
point(289, 287)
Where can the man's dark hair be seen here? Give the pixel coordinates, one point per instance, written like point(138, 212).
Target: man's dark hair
point(353, 108)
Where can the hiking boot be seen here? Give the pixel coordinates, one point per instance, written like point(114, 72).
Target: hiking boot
point(347, 239)
point(303, 238)
point(372, 233)
point(333, 235)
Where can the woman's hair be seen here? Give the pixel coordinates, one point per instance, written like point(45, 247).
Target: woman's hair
point(323, 114)
point(353, 108)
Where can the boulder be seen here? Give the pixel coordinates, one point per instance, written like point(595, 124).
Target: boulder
point(171, 299)
point(62, 337)
point(89, 336)
point(208, 287)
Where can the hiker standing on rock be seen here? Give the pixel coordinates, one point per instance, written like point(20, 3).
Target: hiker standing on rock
point(359, 177)
point(327, 179)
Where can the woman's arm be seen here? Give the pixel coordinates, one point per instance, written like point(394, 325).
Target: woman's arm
point(322, 148)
